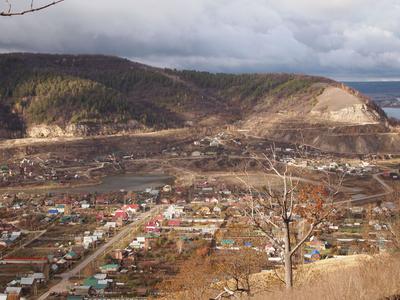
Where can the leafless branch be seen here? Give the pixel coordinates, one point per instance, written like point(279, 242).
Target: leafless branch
point(9, 12)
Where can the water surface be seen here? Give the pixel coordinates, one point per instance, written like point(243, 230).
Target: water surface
point(392, 112)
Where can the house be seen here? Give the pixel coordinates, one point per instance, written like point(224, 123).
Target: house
point(316, 244)
point(72, 297)
point(89, 240)
point(83, 291)
point(28, 285)
point(60, 208)
point(13, 291)
point(314, 255)
point(99, 234)
point(100, 217)
point(27, 281)
point(217, 210)
point(85, 205)
point(109, 268)
point(99, 285)
point(204, 211)
point(167, 188)
point(174, 223)
point(39, 277)
point(227, 243)
point(153, 226)
point(138, 243)
point(53, 211)
point(101, 200)
point(270, 249)
point(196, 154)
point(120, 215)
point(72, 255)
point(100, 276)
point(152, 192)
point(173, 211)
point(130, 208)
point(109, 225)
point(25, 260)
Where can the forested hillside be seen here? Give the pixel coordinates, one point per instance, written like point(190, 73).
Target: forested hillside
point(39, 89)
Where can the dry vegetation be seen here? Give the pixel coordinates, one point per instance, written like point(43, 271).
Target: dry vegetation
point(376, 278)
point(356, 277)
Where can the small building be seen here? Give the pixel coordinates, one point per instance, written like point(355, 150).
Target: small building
point(153, 226)
point(130, 208)
point(121, 215)
point(227, 243)
point(167, 188)
point(39, 277)
point(99, 285)
point(83, 291)
point(174, 223)
point(109, 268)
point(85, 205)
point(13, 292)
point(72, 255)
point(314, 255)
point(196, 154)
point(173, 211)
point(53, 211)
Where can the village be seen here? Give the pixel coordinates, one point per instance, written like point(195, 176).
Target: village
point(114, 243)
point(67, 232)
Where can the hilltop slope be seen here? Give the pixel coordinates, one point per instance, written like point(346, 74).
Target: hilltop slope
point(66, 95)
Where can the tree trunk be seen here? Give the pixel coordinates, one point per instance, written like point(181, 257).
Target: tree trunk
point(288, 258)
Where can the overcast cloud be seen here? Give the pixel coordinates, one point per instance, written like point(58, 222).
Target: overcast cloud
point(344, 39)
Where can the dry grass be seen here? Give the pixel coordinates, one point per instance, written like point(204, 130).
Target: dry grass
point(376, 278)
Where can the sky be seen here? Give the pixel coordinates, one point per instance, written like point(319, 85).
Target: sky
point(341, 39)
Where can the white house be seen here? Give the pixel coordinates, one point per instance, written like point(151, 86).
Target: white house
point(173, 211)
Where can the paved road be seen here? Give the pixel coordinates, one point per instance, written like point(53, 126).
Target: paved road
point(372, 198)
point(66, 276)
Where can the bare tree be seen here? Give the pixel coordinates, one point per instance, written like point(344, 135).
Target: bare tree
point(278, 210)
point(192, 282)
point(8, 12)
point(234, 271)
point(218, 276)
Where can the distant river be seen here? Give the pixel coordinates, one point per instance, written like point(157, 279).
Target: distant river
point(114, 183)
point(392, 112)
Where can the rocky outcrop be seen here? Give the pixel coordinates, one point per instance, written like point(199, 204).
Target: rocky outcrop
point(340, 106)
point(75, 130)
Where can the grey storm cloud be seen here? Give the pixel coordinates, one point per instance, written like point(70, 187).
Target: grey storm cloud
point(337, 38)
